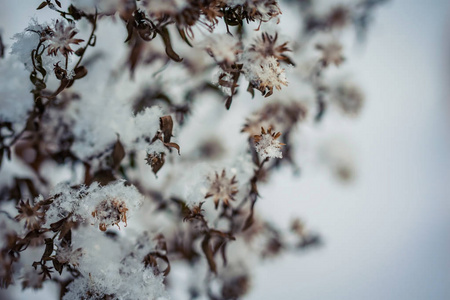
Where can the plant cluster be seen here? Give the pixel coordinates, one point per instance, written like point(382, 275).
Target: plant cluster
point(119, 163)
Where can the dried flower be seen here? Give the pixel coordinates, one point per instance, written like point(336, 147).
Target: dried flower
point(223, 48)
point(31, 214)
point(298, 227)
point(31, 278)
point(236, 287)
point(262, 10)
point(266, 46)
point(267, 144)
point(266, 75)
point(222, 188)
point(349, 98)
point(66, 255)
point(284, 115)
point(331, 53)
point(61, 37)
point(110, 212)
point(338, 17)
point(195, 212)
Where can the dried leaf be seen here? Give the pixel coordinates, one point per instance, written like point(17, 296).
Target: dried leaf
point(103, 177)
point(209, 253)
point(164, 33)
point(130, 29)
point(166, 126)
point(118, 153)
point(80, 51)
point(64, 83)
point(48, 249)
point(80, 72)
point(135, 54)
point(184, 37)
point(155, 161)
point(42, 5)
point(228, 102)
point(173, 145)
point(58, 266)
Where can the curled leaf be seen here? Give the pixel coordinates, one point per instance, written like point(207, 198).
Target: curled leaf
point(164, 33)
point(173, 145)
point(166, 126)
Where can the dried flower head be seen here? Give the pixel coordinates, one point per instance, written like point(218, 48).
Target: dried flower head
point(349, 98)
point(67, 255)
point(31, 214)
point(266, 76)
point(331, 53)
point(222, 188)
point(223, 48)
point(155, 160)
point(298, 227)
point(338, 17)
point(195, 213)
point(284, 115)
point(266, 46)
point(262, 10)
point(110, 212)
point(267, 144)
point(31, 278)
point(236, 287)
point(61, 37)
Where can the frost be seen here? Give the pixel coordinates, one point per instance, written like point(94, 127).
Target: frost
point(264, 74)
point(267, 144)
point(98, 124)
point(28, 40)
point(100, 205)
point(157, 148)
point(222, 47)
point(107, 270)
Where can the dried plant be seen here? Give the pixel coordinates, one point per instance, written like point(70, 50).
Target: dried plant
point(121, 163)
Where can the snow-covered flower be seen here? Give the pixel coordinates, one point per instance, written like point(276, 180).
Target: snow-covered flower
point(100, 205)
point(267, 144)
point(266, 76)
point(61, 37)
point(110, 212)
point(223, 48)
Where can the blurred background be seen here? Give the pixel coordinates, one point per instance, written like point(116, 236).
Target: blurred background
point(386, 235)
